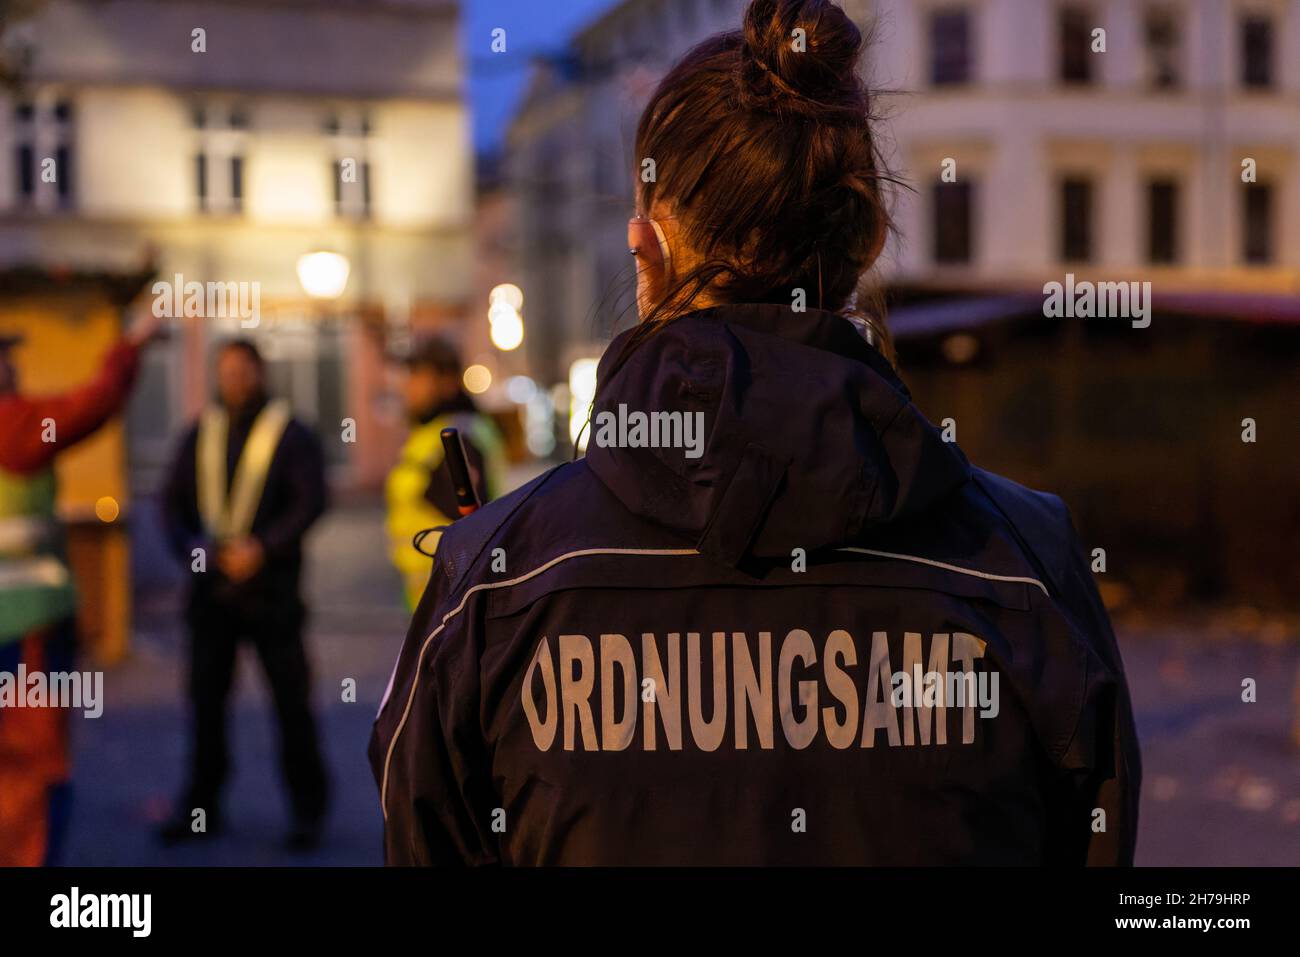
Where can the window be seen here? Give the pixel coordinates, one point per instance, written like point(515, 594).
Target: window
point(1257, 223)
point(24, 153)
point(1076, 219)
point(219, 169)
point(43, 153)
point(953, 223)
point(62, 114)
point(1162, 221)
point(63, 171)
point(201, 180)
point(950, 47)
point(1163, 45)
point(153, 412)
point(237, 182)
point(331, 391)
point(349, 131)
point(26, 173)
point(1256, 52)
point(352, 188)
point(1076, 45)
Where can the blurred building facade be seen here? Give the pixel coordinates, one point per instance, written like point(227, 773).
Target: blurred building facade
point(1172, 158)
point(1115, 161)
point(1123, 160)
point(220, 141)
point(1165, 149)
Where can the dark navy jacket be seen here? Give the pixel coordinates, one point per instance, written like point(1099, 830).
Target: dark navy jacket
point(818, 636)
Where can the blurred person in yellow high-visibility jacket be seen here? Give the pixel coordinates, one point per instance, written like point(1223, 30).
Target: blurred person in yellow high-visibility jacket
point(419, 490)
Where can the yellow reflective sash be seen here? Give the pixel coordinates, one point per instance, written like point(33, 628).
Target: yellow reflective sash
point(43, 571)
point(227, 516)
point(26, 534)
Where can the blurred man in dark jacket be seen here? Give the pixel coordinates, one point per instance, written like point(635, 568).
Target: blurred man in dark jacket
point(247, 484)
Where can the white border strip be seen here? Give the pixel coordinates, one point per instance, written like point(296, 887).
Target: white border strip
point(486, 586)
point(952, 568)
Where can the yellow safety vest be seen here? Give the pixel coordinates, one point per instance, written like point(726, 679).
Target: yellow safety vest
point(409, 512)
point(228, 514)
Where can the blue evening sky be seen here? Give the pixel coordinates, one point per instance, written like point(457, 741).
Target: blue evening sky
point(496, 81)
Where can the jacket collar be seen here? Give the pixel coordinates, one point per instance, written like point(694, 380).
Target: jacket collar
point(809, 437)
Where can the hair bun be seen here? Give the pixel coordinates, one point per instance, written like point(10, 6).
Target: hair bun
point(811, 73)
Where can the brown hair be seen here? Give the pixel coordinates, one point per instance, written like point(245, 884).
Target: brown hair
point(766, 152)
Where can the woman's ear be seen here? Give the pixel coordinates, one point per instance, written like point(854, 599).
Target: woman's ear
point(648, 244)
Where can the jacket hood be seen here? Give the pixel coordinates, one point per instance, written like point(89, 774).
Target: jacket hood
point(806, 437)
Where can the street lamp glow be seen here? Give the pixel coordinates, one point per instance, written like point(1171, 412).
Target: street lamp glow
point(520, 389)
point(508, 293)
point(582, 379)
point(502, 312)
point(507, 328)
point(323, 274)
point(477, 379)
point(582, 389)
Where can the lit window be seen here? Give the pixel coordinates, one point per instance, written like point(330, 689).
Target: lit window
point(219, 169)
point(350, 130)
point(42, 137)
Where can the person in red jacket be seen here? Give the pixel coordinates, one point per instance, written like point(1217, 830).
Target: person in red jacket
point(37, 598)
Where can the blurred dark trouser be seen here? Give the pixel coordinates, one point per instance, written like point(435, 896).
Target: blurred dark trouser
point(34, 756)
point(215, 632)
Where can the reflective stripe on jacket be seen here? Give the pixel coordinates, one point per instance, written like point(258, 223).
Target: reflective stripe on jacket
point(227, 513)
